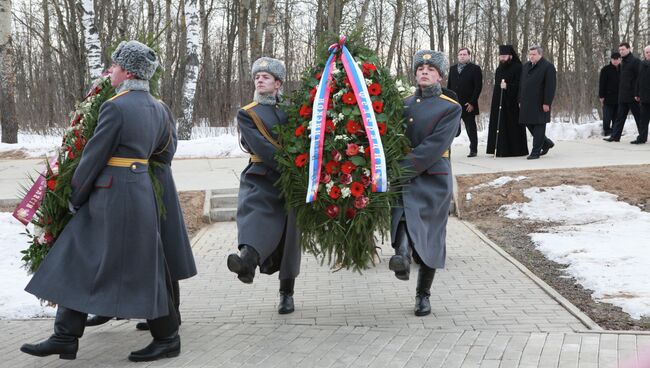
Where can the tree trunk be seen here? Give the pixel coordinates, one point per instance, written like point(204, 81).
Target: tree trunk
point(399, 8)
point(91, 37)
point(7, 77)
point(191, 68)
point(269, 29)
point(512, 23)
point(242, 52)
point(47, 65)
point(432, 40)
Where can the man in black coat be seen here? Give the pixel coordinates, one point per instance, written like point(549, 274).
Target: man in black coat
point(466, 79)
point(511, 140)
point(536, 93)
point(642, 96)
point(626, 90)
point(608, 91)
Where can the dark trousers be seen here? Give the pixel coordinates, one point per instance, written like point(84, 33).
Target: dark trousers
point(470, 127)
point(609, 116)
point(538, 131)
point(643, 123)
point(621, 114)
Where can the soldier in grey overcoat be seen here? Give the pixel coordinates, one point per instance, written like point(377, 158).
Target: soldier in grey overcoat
point(536, 92)
point(173, 232)
point(267, 234)
point(419, 219)
point(109, 259)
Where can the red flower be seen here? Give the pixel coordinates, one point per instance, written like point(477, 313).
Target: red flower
point(382, 128)
point(332, 167)
point(299, 131)
point(332, 211)
point(48, 238)
point(352, 127)
point(346, 81)
point(350, 213)
point(78, 144)
point(329, 126)
point(305, 111)
point(318, 75)
point(301, 160)
point(70, 154)
point(312, 95)
point(349, 98)
point(336, 155)
point(352, 150)
point(345, 179)
point(378, 106)
point(365, 180)
point(348, 167)
point(51, 184)
point(368, 69)
point(77, 119)
point(325, 178)
point(335, 192)
point(356, 189)
point(361, 202)
point(374, 89)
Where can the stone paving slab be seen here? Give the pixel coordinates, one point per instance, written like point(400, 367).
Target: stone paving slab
point(486, 313)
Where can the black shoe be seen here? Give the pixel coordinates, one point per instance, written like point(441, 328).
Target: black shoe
point(610, 139)
point(158, 349)
point(636, 141)
point(423, 290)
point(97, 320)
point(244, 264)
point(286, 296)
point(546, 148)
point(472, 154)
point(66, 349)
point(532, 156)
point(142, 326)
point(400, 263)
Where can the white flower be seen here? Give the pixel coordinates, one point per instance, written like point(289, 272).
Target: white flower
point(341, 117)
point(412, 89)
point(345, 192)
point(361, 149)
point(368, 82)
point(338, 95)
point(366, 172)
point(341, 138)
point(329, 186)
point(399, 83)
point(401, 89)
point(38, 231)
point(336, 71)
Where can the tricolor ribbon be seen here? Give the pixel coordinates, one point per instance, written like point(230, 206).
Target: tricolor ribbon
point(25, 211)
point(319, 118)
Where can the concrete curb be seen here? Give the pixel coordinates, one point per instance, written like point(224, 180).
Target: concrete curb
point(588, 322)
point(207, 206)
point(9, 202)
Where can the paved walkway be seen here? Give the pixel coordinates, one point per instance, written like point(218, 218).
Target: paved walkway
point(488, 311)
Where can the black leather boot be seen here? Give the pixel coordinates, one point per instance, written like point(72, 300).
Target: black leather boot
point(97, 320)
point(244, 264)
point(423, 290)
point(159, 348)
point(68, 328)
point(400, 263)
point(176, 297)
point(286, 296)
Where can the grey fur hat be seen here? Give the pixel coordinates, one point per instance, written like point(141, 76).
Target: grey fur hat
point(436, 59)
point(137, 58)
point(272, 66)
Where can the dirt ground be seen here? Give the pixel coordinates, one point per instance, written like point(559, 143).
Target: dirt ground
point(630, 183)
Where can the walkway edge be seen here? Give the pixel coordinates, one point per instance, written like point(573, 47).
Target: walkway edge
point(588, 322)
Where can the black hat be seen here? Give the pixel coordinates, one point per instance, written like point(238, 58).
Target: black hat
point(615, 55)
point(507, 50)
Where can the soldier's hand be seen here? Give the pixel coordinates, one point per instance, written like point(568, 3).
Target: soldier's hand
point(637, 99)
point(469, 107)
point(72, 208)
point(602, 100)
point(503, 84)
point(546, 108)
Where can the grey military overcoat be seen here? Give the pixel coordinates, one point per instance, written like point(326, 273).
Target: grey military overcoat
point(109, 259)
point(173, 232)
point(536, 88)
point(432, 123)
point(262, 221)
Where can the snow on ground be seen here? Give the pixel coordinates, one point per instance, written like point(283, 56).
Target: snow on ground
point(604, 241)
point(15, 302)
point(498, 182)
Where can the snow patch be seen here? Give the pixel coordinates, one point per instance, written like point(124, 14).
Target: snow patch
point(498, 182)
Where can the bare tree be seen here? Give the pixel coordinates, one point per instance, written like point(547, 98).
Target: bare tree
point(7, 76)
point(93, 47)
point(191, 68)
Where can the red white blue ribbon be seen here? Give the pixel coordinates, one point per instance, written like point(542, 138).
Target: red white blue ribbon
point(318, 126)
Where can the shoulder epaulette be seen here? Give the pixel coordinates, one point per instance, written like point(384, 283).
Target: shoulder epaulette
point(444, 97)
point(249, 106)
point(119, 95)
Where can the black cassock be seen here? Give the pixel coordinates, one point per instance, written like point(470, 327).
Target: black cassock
point(512, 135)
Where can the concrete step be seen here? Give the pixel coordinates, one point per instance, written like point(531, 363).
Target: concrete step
point(223, 200)
point(233, 191)
point(223, 214)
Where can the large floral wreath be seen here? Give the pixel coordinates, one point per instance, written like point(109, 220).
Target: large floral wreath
point(339, 226)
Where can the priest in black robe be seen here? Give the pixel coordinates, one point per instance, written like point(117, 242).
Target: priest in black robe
point(512, 135)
